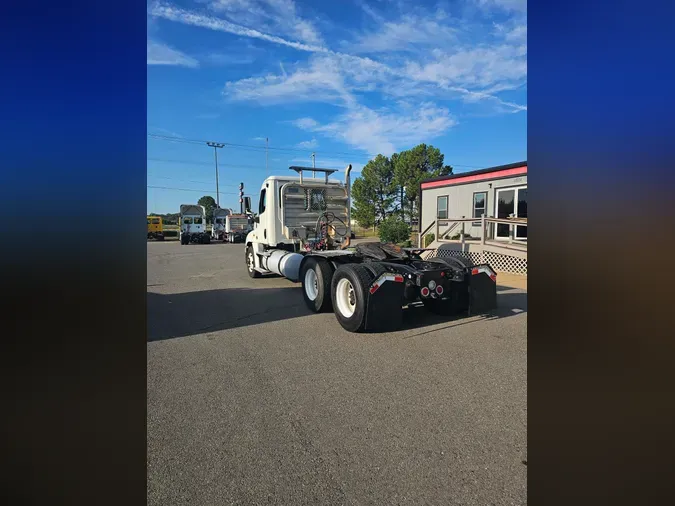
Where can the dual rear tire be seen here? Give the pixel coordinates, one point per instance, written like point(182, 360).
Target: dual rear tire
point(316, 274)
point(344, 290)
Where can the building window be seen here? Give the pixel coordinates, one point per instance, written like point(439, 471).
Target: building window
point(442, 208)
point(479, 206)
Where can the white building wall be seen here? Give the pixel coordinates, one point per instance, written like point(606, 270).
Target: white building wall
point(460, 201)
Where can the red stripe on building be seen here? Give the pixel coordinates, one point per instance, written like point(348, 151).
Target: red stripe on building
point(477, 177)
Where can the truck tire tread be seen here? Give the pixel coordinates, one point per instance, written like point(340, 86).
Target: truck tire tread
point(324, 274)
point(360, 278)
point(252, 273)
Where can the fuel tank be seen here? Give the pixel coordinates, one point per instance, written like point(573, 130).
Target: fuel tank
point(285, 264)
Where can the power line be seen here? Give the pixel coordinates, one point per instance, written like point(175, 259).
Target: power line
point(189, 180)
point(195, 162)
point(190, 190)
point(250, 147)
point(253, 147)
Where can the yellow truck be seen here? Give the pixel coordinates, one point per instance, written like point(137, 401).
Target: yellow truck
point(155, 228)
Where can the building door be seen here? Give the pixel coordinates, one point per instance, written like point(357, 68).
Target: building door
point(511, 201)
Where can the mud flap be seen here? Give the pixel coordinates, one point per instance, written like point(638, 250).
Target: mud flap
point(384, 308)
point(482, 289)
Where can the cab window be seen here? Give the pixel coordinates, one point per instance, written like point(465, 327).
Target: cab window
point(261, 205)
point(219, 220)
point(187, 221)
point(155, 221)
point(198, 221)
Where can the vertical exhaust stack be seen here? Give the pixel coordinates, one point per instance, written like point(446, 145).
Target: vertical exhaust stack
point(349, 201)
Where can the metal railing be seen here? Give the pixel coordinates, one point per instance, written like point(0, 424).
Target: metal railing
point(487, 231)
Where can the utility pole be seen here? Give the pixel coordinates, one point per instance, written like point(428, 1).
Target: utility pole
point(267, 142)
point(215, 146)
point(314, 164)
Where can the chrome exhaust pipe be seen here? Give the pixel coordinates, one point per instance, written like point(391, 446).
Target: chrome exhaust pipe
point(349, 200)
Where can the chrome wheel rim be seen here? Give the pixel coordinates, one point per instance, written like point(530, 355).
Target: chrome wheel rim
point(345, 298)
point(311, 284)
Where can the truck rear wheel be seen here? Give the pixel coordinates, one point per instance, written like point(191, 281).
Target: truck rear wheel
point(349, 290)
point(316, 275)
point(250, 263)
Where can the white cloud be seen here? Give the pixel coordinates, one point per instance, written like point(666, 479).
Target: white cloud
point(407, 34)
point(446, 59)
point(508, 5)
point(320, 81)
point(161, 54)
point(272, 16)
point(225, 59)
point(475, 69)
point(305, 123)
point(179, 15)
point(311, 144)
point(386, 131)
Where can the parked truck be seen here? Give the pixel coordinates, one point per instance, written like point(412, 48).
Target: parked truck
point(193, 225)
point(218, 229)
point(155, 228)
point(237, 227)
point(302, 232)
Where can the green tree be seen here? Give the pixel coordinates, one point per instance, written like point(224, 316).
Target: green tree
point(374, 192)
point(413, 166)
point(394, 229)
point(209, 204)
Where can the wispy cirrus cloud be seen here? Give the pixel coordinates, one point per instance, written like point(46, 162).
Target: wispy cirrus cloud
point(310, 144)
point(279, 17)
point(162, 54)
point(385, 131)
point(411, 60)
point(508, 5)
point(171, 13)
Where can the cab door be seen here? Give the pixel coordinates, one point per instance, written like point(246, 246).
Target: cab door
point(264, 213)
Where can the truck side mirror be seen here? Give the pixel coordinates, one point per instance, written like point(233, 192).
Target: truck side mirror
point(247, 205)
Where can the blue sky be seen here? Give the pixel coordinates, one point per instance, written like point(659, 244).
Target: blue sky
point(347, 79)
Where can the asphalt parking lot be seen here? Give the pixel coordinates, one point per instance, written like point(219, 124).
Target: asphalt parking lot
point(252, 399)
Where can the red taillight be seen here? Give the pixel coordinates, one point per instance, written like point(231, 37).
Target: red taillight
point(493, 277)
point(398, 278)
point(425, 292)
point(474, 272)
point(374, 288)
point(439, 290)
point(442, 273)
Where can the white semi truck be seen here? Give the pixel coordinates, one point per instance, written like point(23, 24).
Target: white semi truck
point(302, 232)
point(218, 229)
point(236, 227)
point(193, 225)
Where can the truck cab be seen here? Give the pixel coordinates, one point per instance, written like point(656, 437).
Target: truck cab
point(155, 228)
point(236, 227)
point(298, 214)
point(193, 224)
point(218, 229)
point(290, 206)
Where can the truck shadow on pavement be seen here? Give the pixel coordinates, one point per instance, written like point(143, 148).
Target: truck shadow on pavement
point(185, 314)
point(509, 303)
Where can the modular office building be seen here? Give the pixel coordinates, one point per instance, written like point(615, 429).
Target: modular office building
point(499, 192)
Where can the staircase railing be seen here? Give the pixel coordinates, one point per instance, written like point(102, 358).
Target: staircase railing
point(487, 231)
